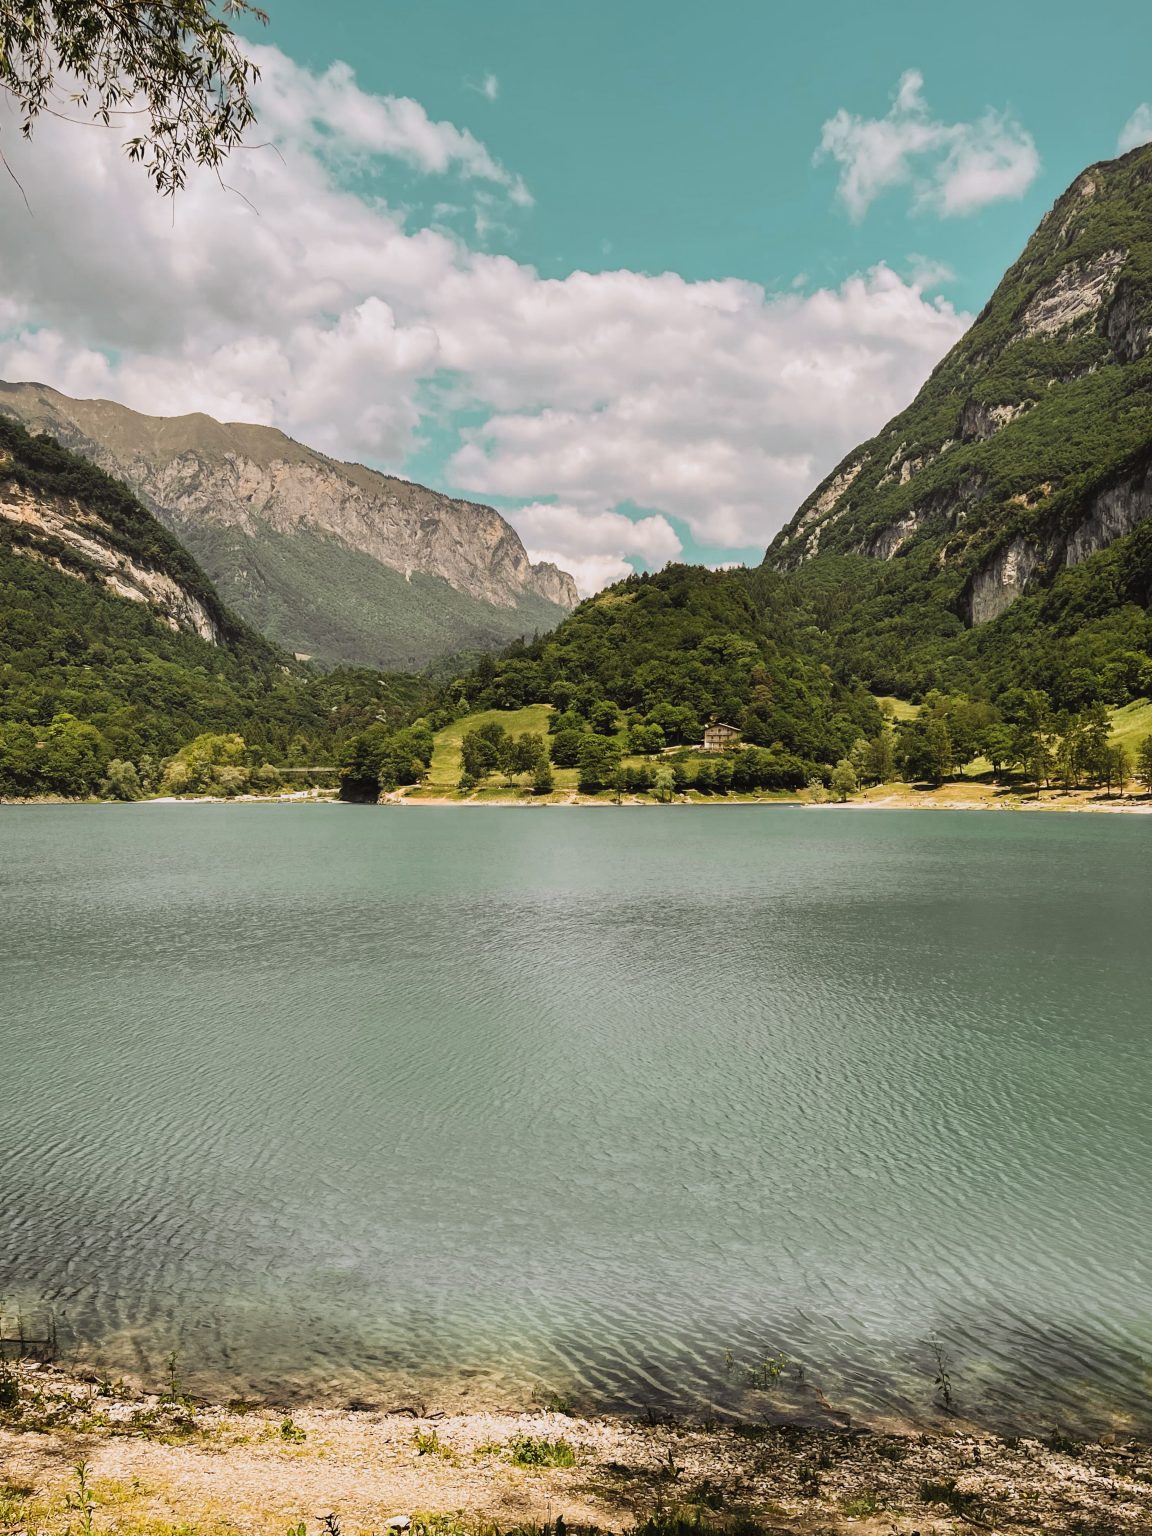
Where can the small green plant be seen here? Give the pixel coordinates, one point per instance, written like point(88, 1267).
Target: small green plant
point(861, 1505)
point(707, 1494)
point(13, 1500)
point(536, 1451)
point(81, 1501)
point(554, 1402)
point(428, 1443)
point(9, 1388)
point(764, 1374)
point(669, 1472)
point(460, 1524)
point(681, 1522)
point(291, 1432)
point(942, 1379)
point(946, 1492)
point(809, 1482)
point(891, 1450)
point(174, 1389)
point(1063, 1445)
point(298, 1530)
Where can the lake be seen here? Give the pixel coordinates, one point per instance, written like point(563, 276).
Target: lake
point(657, 1108)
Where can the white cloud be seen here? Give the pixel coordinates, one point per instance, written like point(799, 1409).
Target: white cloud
point(320, 311)
point(1137, 130)
point(592, 544)
point(329, 115)
point(951, 168)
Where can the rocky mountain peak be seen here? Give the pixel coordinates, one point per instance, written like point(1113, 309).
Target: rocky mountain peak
point(1028, 448)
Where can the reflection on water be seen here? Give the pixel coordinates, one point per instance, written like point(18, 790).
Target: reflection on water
point(384, 1104)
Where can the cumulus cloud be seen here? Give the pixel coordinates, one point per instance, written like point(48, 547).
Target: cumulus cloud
point(321, 311)
point(1137, 130)
point(951, 168)
point(330, 115)
point(592, 544)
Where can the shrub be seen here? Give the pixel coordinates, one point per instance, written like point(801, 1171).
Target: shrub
point(534, 1451)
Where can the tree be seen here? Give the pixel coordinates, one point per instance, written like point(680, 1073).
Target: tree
point(72, 757)
point(566, 748)
point(1095, 728)
point(174, 65)
point(645, 740)
point(479, 755)
point(844, 781)
point(879, 758)
point(1119, 767)
point(664, 787)
point(543, 782)
point(20, 759)
point(602, 718)
point(996, 744)
point(121, 781)
point(530, 752)
point(1144, 764)
point(599, 757)
point(926, 748)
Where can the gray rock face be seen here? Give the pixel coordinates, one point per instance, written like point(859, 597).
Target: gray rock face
point(1127, 326)
point(979, 422)
point(1075, 293)
point(889, 541)
point(195, 470)
point(999, 583)
point(1114, 513)
point(31, 518)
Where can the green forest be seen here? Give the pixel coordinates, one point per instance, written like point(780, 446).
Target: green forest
point(1024, 432)
point(89, 679)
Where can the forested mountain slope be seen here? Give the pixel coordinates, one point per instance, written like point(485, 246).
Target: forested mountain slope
point(1023, 469)
point(329, 560)
point(114, 644)
point(680, 648)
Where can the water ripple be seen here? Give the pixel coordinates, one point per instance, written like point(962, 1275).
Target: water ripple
point(361, 1102)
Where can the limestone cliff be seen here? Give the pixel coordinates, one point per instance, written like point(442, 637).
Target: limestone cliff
point(331, 559)
point(77, 541)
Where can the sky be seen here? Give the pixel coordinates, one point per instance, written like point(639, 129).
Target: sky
point(637, 274)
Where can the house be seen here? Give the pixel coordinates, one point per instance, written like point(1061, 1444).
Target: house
point(719, 737)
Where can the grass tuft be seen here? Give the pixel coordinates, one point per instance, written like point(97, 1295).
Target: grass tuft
point(537, 1451)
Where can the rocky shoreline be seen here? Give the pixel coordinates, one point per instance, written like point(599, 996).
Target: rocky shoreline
point(166, 1465)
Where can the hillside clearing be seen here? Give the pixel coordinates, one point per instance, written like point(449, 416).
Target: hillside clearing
point(447, 752)
point(1132, 724)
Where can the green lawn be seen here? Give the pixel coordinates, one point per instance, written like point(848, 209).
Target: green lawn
point(900, 708)
point(1132, 724)
point(444, 774)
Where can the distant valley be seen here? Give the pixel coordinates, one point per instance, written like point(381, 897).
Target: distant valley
point(331, 561)
point(987, 556)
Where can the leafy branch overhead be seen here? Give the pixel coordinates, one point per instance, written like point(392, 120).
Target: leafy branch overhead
point(176, 66)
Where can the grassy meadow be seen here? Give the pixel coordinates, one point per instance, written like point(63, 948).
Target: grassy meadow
point(1130, 726)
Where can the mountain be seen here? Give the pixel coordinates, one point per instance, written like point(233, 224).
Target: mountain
point(1022, 469)
point(330, 560)
point(989, 552)
point(115, 644)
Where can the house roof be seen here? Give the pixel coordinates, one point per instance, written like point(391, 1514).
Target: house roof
point(721, 725)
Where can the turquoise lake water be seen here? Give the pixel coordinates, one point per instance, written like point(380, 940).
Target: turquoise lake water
point(439, 1105)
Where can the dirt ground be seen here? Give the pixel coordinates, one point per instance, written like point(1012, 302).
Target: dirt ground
point(171, 1468)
